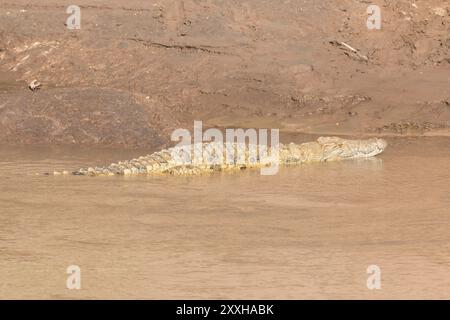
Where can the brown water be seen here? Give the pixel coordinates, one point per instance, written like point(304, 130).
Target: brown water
point(308, 232)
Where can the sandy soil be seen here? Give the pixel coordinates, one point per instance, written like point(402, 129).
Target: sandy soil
point(138, 69)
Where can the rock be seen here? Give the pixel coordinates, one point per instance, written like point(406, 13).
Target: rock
point(34, 85)
point(88, 116)
point(440, 12)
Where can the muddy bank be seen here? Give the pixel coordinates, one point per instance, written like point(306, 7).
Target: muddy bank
point(56, 116)
point(136, 71)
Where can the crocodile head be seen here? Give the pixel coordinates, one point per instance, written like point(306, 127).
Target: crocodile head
point(381, 144)
point(337, 148)
point(370, 147)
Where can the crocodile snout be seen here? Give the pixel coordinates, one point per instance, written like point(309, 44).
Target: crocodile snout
point(381, 144)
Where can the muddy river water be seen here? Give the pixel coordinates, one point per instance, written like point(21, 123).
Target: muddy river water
point(307, 232)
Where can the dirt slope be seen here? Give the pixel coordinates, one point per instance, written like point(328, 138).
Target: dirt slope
point(139, 69)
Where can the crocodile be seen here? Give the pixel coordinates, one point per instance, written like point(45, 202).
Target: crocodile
point(180, 160)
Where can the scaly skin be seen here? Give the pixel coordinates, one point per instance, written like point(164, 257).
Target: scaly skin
point(163, 162)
